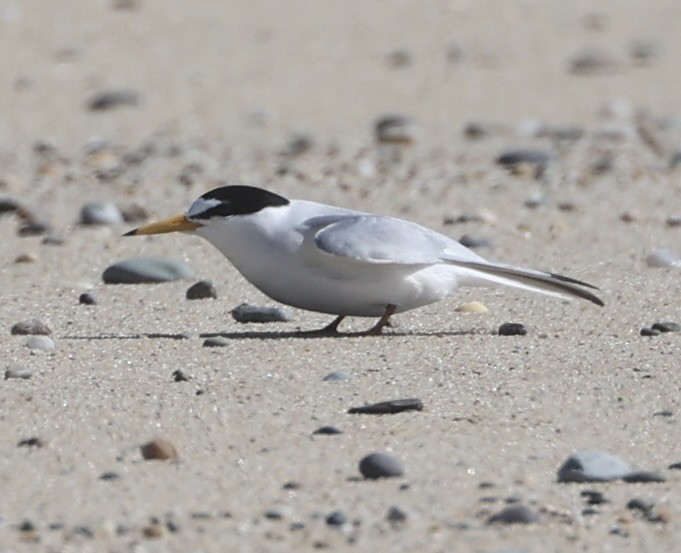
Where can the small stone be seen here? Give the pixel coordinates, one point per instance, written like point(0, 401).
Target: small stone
point(42, 343)
point(87, 299)
point(298, 144)
point(675, 466)
point(472, 307)
point(394, 129)
point(337, 376)
point(515, 514)
point(475, 242)
point(388, 407)
point(159, 449)
point(667, 326)
point(292, 485)
point(327, 431)
point(629, 216)
point(21, 373)
point(26, 258)
point(476, 131)
point(216, 342)
point(100, 213)
point(144, 270)
point(512, 329)
point(665, 413)
point(133, 213)
point(337, 518)
point(593, 466)
point(535, 201)
point(31, 327)
point(644, 476)
point(594, 497)
point(380, 465)
point(246, 313)
point(8, 205)
point(650, 332)
point(674, 221)
point(663, 258)
point(592, 61)
point(514, 158)
point(34, 441)
point(675, 160)
point(109, 99)
point(396, 515)
point(53, 239)
point(641, 505)
point(180, 376)
point(643, 51)
point(203, 289)
point(110, 475)
point(33, 228)
point(273, 515)
point(153, 530)
point(399, 59)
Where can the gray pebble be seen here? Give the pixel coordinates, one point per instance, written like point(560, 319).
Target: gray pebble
point(87, 299)
point(180, 376)
point(643, 51)
point(394, 129)
point(663, 258)
point(108, 99)
point(8, 205)
point(146, 270)
point(650, 332)
point(675, 160)
point(100, 213)
point(41, 343)
point(644, 476)
point(474, 242)
point(110, 475)
point(396, 515)
point(380, 465)
point(592, 61)
point(246, 313)
point(337, 376)
point(388, 407)
point(327, 431)
point(675, 466)
point(593, 466)
point(593, 497)
point(216, 342)
point(31, 327)
point(667, 326)
point(674, 221)
point(337, 518)
point(641, 505)
point(203, 289)
point(22, 373)
point(512, 329)
point(513, 158)
point(515, 514)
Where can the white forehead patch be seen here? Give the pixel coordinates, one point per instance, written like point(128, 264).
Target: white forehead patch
point(201, 205)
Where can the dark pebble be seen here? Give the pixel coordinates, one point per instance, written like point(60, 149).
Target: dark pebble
point(84, 531)
point(476, 131)
point(474, 242)
point(87, 299)
point(675, 466)
point(337, 376)
point(337, 518)
point(8, 205)
point(396, 515)
point(675, 160)
point(388, 407)
point(273, 515)
point(202, 290)
point(33, 228)
point(327, 431)
point(27, 526)
point(512, 158)
point(644, 476)
point(394, 129)
point(667, 327)
point(594, 497)
point(665, 413)
point(292, 485)
point(512, 329)
point(638, 504)
point(21, 373)
point(110, 475)
point(650, 332)
point(216, 342)
point(298, 144)
point(380, 465)
point(180, 376)
point(246, 313)
point(34, 441)
point(31, 327)
point(296, 526)
point(159, 449)
point(515, 514)
point(109, 99)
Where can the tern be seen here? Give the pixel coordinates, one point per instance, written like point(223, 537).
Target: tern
point(344, 262)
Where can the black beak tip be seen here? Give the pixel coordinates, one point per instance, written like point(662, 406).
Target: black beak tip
point(131, 233)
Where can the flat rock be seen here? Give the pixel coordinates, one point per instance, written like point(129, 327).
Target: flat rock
point(144, 270)
point(40, 343)
point(380, 465)
point(515, 514)
point(31, 327)
point(246, 313)
point(593, 466)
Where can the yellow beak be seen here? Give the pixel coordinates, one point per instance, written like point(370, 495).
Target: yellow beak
point(177, 223)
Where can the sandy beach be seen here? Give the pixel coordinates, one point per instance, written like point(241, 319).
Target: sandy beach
point(144, 105)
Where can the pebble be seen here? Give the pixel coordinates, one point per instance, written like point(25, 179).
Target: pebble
point(396, 515)
point(33, 441)
point(180, 376)
point(674, 221)
point(40, 343)
point(160, 449)
point(388, 407)
point(512, 329)
point(644, 476)
point(675, 160)
point(216, 342)
point(246, 313)
point(109, 99)
point(472, 307)
point(298, 144)
point(675, 466)
point(594, 497)
point(592, 61)
point(337, 376)
point(20, 372)
point(203, 289)
point(515, 514)
point(33, 228)
point(394, 129)
point(100, 213)
point(26, 258)
point(593, 466)
point(133, 213)
point(110, 475)
point(513, 158)
point(337, 518)
point(87, 299)
point(31, 326)
point(643, 51)
point(327, 431)
point(650, 332)
point(481, 216)
point(8, 205)
point(663, 258)
point(380, 465)
point(399, 59)
point(146, 270)
point(667, 326)
point(474, 242)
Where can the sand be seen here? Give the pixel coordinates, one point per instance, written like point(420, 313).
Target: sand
point(221, 89)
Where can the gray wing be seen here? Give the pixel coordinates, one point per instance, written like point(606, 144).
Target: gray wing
point(375, 239)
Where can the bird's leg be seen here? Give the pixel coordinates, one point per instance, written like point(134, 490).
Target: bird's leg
point(382, 322)
point(329, 330)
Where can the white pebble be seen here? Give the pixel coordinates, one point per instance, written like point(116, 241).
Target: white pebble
point(40, 343)
point(663, 258)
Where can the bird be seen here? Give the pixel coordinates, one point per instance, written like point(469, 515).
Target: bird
point(343, 262)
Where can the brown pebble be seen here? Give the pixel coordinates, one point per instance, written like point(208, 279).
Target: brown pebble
point(153, 530)
point(159, 449)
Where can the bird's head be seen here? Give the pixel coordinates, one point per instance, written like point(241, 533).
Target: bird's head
point(217, 205)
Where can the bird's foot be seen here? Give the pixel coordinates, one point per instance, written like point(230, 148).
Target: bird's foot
point(377, 329)
point(329, 330)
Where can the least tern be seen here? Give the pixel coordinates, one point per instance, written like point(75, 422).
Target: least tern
point(343, 262)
